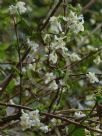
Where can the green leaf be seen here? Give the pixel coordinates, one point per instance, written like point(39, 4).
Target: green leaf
point(11, 86)
point(77, 132)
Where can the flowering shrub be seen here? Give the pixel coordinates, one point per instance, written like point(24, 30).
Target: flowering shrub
point(51, 68)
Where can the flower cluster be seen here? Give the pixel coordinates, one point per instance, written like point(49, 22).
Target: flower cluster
point(57, 38)
point(97, 60)
point(55, 25)
point(92, 77)
point(32, 119)
point(50, 78)
point(34, 46)
point(19, 8)
point(75, 22)
point(54, 122)
point(57, 44)
point(79, 114)
point(91, 48)
point(53, 57)
point(74, 57)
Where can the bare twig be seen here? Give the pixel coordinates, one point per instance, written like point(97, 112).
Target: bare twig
point(89, 4)
point(6, 81)
point(54, 9)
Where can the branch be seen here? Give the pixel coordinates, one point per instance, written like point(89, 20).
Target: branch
point(9, 118)
point(73, 65)
point(6, 81)
point(88, 5)
point(50, 15)
point(50, 116)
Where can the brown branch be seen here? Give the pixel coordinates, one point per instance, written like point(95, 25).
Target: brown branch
point(19, 55)
point(15, 63)
point(88, 5)
point(53, 100)
point(6, 81)
point(73, 65)
point(65, 7)
point(48, 115)
point(9, 118)
point(72, 122)
point(50, 15)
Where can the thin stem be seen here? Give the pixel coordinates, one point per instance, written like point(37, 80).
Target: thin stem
point(50, 115)
point(51, 14)
point(19, 56)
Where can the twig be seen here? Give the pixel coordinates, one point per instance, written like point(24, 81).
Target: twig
point(53, 100)
point(50, 15)
point(84, 118)
point(9, 118)
point(19, 55)
point(15, 63)
point(72, 110)
point(65, 7)
point(72, 122)
point(6, 81)
point(88, 5)
point(84, 58)
point(50, 116)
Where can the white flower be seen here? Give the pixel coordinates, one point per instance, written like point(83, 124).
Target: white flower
point(81, 40)
point(34, 114)
point(101, 11)
point(35, 118)
point(55, 26)
point(35, 122)
point(61, 82)
point(92, 77)
point(81, 19)
point(90, 100)
point(53, 122)
point(25, 121)
point(34, 46)
point(21, 7)
point(47, 38)
point(53, 57)
point(59, 43)
point(79, 114)
point(75, 23)
point(97, 60)
point(87, 132)
point(17, 81)
point(18, 8)
point(44, 128)
point(13, 9)
point(74, 57)
point(98, 128)
point(27, 93)
point(23, 69)
point(32, 66)
point(30, 119)
point(92, 21)
point(80, 27)
point(49, 77)
point(53, 85)
point(91, 48)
